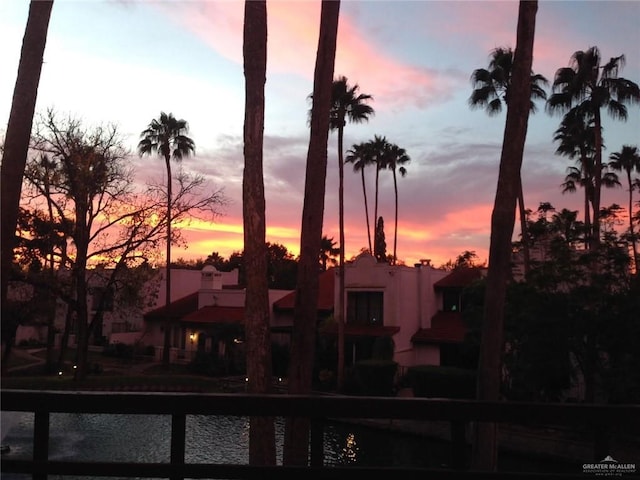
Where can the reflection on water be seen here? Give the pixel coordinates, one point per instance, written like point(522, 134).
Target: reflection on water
point(209, 439)
point(218, 439)
point(350, 450)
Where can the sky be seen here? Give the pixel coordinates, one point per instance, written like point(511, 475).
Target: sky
point(122, 62)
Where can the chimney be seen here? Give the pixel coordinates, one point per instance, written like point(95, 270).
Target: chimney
point(210, 278)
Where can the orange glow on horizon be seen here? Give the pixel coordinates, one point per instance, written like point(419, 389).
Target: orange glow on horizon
point(415, 242)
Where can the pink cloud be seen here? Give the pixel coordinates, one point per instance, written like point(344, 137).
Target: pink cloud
point(292, 44)
point(359, 57)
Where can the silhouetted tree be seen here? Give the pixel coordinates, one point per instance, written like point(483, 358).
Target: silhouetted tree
point(491, 91)
point(16, 144)
point(589, 86)
point(303, 337)
point(167, 137)
point(380, 244)
point(262, 431)
point(346, 104)
point(628, 160)
point(328, 251)
point(484, 452)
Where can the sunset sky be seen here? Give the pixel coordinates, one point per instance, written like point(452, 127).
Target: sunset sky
point(124, 61)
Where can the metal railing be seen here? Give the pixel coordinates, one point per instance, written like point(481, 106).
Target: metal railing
point(319, 409)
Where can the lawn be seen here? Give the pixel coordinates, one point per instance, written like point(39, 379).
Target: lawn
point(110, 373)
point(144, 383)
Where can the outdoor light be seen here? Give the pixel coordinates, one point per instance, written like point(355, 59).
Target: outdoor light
point(75, 366)
point(192, 337)
point(60, 373)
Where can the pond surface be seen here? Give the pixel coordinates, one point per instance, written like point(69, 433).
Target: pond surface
point(218, 439)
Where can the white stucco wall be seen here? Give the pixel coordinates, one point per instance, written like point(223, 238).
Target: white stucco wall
point(185, 282)
point(409, 300)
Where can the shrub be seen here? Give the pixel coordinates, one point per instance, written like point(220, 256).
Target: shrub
point(383, 348)
point(205, 364)
point(119, 350)
point(443, 382)
point(372, 377)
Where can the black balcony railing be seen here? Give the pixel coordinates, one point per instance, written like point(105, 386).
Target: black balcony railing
point(318, 409)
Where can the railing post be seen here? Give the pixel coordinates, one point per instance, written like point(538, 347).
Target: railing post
point(458, 445)
point(317, 442)
point(40, 441)
point(178, 443)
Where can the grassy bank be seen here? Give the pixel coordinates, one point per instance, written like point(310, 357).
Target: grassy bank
point(27, 370)
point(145, 383)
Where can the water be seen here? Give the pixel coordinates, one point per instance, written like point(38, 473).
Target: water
point(218, 439)
point(209, 439)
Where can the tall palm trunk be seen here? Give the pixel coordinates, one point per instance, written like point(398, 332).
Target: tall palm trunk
point(262, 450)
point(296, 441)
point(395, 232)
point(591, 352)
point(168, 324)
point(597, 181)
point(341, 274)
point(17, 136)
point(634, 246)
point(587, 200)
point(484, 454)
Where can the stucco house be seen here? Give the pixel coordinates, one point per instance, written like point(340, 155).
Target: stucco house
point(443, 339)
point(209, 318)
point(418, 307)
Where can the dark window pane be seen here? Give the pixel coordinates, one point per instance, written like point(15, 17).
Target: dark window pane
point(365, 308)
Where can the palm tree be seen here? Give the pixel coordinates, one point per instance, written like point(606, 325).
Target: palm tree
point(491, 91)
point(328, 251)
point(396, 158)
point(16, 143)
point(591, 86)
point(167, 137)
point(346, 104)
point(360, 156)
point(565, 224)
point(484, 452)
point(262, 431)
point(305, 312)
point(377, 150)
point(492, 85)
point(628, 160)
point(583, 176)
point(577, 142)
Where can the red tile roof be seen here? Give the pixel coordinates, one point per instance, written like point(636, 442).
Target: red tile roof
point(177, 309)
point(446, 327)
point(215, 314)
point(326, 284)
point(460, 277)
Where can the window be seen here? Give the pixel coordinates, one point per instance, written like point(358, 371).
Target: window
point(451, 300)
point(365, 308)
